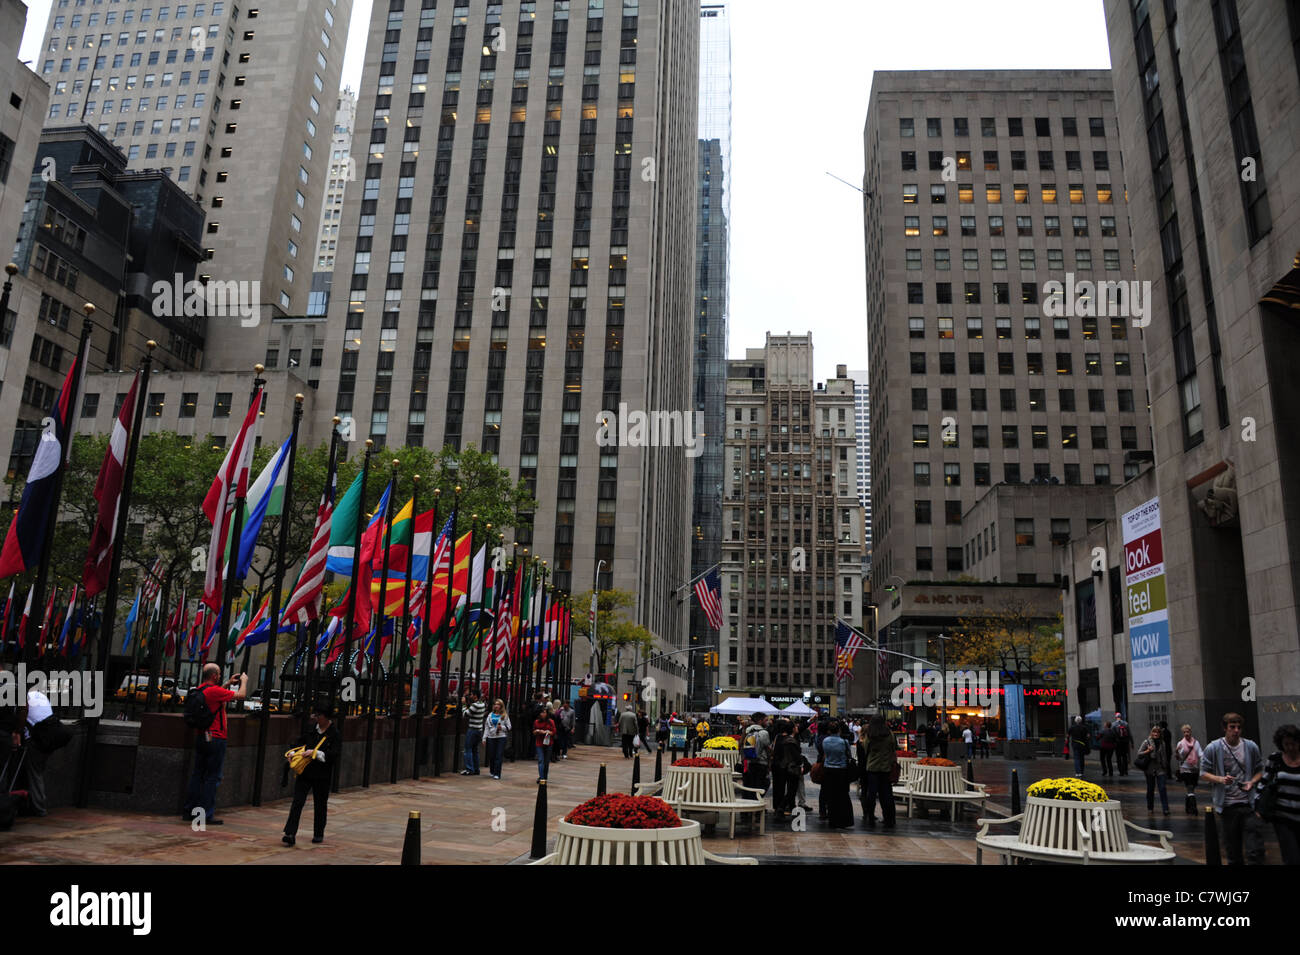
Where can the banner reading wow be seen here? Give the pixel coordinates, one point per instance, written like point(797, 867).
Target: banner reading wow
point(1148, 606)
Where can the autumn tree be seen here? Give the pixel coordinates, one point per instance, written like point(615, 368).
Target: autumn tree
point(1011, 636)
point(613, 629)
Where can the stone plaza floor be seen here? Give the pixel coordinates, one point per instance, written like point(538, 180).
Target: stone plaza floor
point(479, 820)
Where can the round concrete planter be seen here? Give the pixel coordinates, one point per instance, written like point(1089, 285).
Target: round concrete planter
point(590, 845)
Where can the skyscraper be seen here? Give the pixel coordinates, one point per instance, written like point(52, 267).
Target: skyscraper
point(524, 270)
point(712, 265)
point(984, 188)
point(862, 428)
point(235, 103)
point(342, 170)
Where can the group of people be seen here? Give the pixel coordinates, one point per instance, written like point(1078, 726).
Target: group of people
point(937, 735)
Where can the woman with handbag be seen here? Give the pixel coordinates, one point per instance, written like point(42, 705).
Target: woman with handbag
point(313, 761)
point(1279, 801)
point(1188, 752)
point(496, 728)
point(1153, 759)
point(835, 779)
point(877, 756)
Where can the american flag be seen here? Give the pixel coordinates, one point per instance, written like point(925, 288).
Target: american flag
point(153, 581)
point(847, 642)
point(708, 591)
point(303, 603)
point(882, 665)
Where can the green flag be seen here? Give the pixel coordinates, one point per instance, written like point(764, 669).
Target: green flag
point(343, 531)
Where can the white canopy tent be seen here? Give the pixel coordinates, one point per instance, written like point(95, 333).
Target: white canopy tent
point(743, 706)
point(798, 708)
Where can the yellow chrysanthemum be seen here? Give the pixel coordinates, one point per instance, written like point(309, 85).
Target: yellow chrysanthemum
point(721, 742)
point(1073, 790)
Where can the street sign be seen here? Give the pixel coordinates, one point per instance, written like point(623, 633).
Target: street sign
point(629, 669)
point(677, 736)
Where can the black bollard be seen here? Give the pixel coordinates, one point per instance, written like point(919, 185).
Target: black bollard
point(539, 822)
point(659, 764)
point(411, 845)
point(970, 770)
point(600, 781)
point(1212, 856)
point(636, 772)
point(1015, 793)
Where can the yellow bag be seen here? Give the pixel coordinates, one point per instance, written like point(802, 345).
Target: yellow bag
point(300, 757)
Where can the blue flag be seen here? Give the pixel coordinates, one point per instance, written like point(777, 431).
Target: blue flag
point(265, 496)
point(130, 621)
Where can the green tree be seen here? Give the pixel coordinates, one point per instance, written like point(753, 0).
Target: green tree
point(1010, 636)
point(613, 629)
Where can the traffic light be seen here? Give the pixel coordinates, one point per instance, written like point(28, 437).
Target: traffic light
point(627, 697)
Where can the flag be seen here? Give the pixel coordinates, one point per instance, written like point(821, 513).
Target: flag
point(108, 493)
point(591, 614)
point(22, 624)
point(237, 627)
point(4, 624)
point(212, 632)
point(370, 546)
point(304, 600)
point(230, 483)
point(882, 668)
point(441, 569)
point(847, 643)
point(47, 620)
point(265, 499)
point(131, 618)
point(155, 620)
point(708, 591)
point(25, 540)
point(399, 556)
point(343, 531)
point(153, 581)
point(460, 582)
point(192, 642)
point(67, 622)
point(327, 637)
point(175, 625)
point(256, 630)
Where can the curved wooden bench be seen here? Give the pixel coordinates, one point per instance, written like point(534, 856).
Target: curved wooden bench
point(1081, 833)
point(940, 784)
point(701, 789)
point(588, 845)
point(727, 757)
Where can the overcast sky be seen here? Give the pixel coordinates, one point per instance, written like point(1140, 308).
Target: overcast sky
point(801, 74)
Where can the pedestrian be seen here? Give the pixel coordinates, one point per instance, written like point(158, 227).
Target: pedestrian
point(475, 710)
point(543, 735)
point(1281, 792)
point(38, 708)
point(787, 767)
point(643, 729)
point(931, 737)
point(835, 779)
point(1234, 767)
point(758, 753)
point(1123, 744)
point(496, 730)
point(1106, 745)
point(627, 728)
point(1079, 747)
point(210, 745)
point(661, 732)
point(983, 741)
point(941, 731)
point(968, 738)
point(877, 756)
point(1188, 755)
point(564, 721)
point(1153, 759)
point(324, 743)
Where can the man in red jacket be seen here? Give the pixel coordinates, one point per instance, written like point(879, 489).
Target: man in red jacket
point(210, 747)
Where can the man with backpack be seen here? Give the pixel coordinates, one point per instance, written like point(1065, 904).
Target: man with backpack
point(758, 753)
point(205, 712)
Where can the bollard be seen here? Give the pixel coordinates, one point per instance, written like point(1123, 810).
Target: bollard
point(970, 771)
point(659, 764)
point(1015, 792)
point(636, 772)
point(539, 822)
point(600, 781)
point(1212, 856)
point(411, 845)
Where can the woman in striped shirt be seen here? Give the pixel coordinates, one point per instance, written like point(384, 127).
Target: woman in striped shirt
point(1283, 772)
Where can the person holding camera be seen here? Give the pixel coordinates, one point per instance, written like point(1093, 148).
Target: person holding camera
point(1233, 765)
point(210, 745)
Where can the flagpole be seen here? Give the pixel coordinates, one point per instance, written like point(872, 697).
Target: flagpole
point(156, 648)
point(422, 694)
point(79, 369)
point(315, 628)
point(516, 675)
point(286, 506)
point(498, 593)
point(400, 640)
point(346, 664)
point(232, 543)
point(482, 600)
point(180, 637)
point(444, 634)
point(378, 618)
point(462, 635)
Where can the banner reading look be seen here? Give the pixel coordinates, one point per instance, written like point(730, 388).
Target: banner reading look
point(1148, 606)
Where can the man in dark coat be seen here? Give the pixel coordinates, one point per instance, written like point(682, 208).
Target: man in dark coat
point(326, 742)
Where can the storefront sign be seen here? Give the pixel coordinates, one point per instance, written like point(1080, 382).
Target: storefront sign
point(948, 598)
point(677, 736)
point(1148, 605)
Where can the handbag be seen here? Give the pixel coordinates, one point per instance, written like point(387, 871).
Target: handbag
point(300, 757)
point(50, 734)
point(1266, 801)
point(818, 772)
point(1142, 760)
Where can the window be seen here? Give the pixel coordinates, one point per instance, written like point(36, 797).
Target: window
point(936, 160)
point(1024, 532)
point(905, 128)
point(978, 400)
point(913, 259)
point(952, 475)
point(1124, 399)
point(967, 226)
point(1010, 436)
point(988, 127)
point(1099, 437)
point(1070, 436)
point(1042, 126)
point(952, 512)
point(921, 474)
point(909, 160)
point(1128, 438)
point(221, 406)
point(1101, 474)
point(1108, 226)
point(975, 362)
point(939, 225)
point(919, 399)
point(933, 127)
point(995, 225)
point(920, 436)
point(924, 561)
point(938, 193)
point(1064, 363)
point(1008, 399)
point(912, 227)
point(909, 193)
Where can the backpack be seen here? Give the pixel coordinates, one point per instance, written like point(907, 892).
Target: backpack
point(198, 715)
point(1122, 730)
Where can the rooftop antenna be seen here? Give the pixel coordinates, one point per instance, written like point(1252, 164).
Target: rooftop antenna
point(869, 195)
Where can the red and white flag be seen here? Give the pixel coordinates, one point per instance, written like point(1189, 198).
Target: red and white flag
point(108, 492)
point(708, 592)
point(22, 623)
point(304, 602)
point(153, 581)
point(230, 483)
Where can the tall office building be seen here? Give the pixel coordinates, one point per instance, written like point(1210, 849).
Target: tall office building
point(983, 187)
point(342, 170)
point(524, 270)
point(20, 121)
point(234, 102)
point(1208, 98)
point(792, 551)
point(712, 259)
point(862, 428)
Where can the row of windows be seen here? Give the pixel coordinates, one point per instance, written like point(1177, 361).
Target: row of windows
point(114, 83)
point(1093, 363)
point(950, 437)
point(1002, 325)
point(120, 60)
point(961, 160)
point(1047, 193)
point(142, 106)
point(1008, 400)
point(146, 14)
point(970, 259)
point(1011, 473)
point(988, 126)
point(1024, 226)
point(221, 404)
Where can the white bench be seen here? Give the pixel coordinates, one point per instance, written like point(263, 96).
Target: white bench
point(939, 784)
point(727, 757)
point(699, 789)
point(1081, 833)
point(588, 845)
